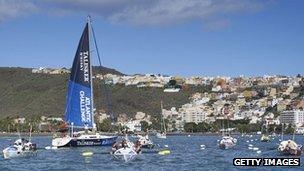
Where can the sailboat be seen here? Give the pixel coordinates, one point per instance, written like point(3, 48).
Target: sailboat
point(79, 103)
point(162, 135)
point(289, 147)
point(227, 140)
point(265, 136)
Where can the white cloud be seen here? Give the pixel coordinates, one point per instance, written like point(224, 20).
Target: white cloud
point(15, 8)
point(140, 12)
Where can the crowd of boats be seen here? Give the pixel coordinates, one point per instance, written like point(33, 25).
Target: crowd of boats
point(125, 149)
point(80, 130)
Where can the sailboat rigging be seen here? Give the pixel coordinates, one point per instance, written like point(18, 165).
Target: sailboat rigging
point(162, 134)
point(227, 140)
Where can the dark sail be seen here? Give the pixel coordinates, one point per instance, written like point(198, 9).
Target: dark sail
point(79, 105)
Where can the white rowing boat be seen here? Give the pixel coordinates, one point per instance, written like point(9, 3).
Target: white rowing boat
point(127, 154)
point(21, 148)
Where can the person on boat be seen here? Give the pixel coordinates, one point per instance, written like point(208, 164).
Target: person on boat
point(124, 143)
point(119, 145)
point(291, 145)
point(137, 147)
point(116, 146)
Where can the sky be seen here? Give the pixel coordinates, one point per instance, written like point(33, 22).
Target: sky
point(173, 37)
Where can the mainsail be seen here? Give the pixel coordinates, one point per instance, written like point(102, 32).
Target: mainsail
point(79, 105)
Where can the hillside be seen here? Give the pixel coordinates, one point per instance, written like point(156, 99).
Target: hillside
point(23, 93)
point(105, 70)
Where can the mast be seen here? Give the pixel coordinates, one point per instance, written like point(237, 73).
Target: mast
point(282, 131)
point(162, 116)
point(30, 133)
point(91, 74)
point(293, 135)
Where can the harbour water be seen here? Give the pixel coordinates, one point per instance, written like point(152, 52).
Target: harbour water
point(186, 154)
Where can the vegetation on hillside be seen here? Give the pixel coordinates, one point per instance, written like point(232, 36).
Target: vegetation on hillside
point(23, 93)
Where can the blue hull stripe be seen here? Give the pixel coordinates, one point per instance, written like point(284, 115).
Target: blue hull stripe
point(91, 142)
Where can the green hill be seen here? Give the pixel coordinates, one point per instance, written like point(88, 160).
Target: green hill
point(23, 93)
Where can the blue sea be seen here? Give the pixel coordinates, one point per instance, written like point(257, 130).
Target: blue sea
point(186, 154)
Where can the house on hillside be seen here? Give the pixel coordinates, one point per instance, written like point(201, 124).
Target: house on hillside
point(19, 120)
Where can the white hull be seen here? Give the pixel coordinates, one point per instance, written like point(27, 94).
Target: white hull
point(161, 136)
point(289, 147)
point(21, 148)
point(227, 142)
point(9, 153)
point(126, 154)
point(83, 139)
point(61, 141)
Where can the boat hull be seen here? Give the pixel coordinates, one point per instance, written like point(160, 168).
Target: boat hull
point(226, 146)
point(126, 154)
point(291, 152)
point(161, 136)
point(289, 147)
point(148, 146)
point(265, 140)
point(11, 152)
point(76, 142)
point(227, 143)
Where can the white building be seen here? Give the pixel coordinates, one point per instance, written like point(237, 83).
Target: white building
point(270, 120)
point(134, 126)
point(19, 120)
point(295, 117)
point(55, 119)
point(102, 116)
point(173, 116)
point(192, 113)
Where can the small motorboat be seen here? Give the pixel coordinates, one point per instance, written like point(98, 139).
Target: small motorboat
point(145, 142)
point(227, 142)
point(161, 135)
point(21, 147)
point(289, 147)
point(265, 138)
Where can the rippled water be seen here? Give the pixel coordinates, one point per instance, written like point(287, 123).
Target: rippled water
point(186, 154)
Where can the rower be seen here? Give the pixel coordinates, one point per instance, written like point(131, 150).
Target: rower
point(137, 147)
point(124, 143)
point(116, 146)
point(291, 144)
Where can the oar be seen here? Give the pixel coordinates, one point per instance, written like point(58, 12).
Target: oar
point(150, 152)
point(103, 152)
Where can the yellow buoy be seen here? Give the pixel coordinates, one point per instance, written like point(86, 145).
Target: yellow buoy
point(87, 153)
point(164, 152)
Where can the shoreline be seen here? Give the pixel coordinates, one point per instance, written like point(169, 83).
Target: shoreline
point(108, 133)
point(24, 134)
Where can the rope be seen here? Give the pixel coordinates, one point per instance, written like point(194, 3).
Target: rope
point(109, 106)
